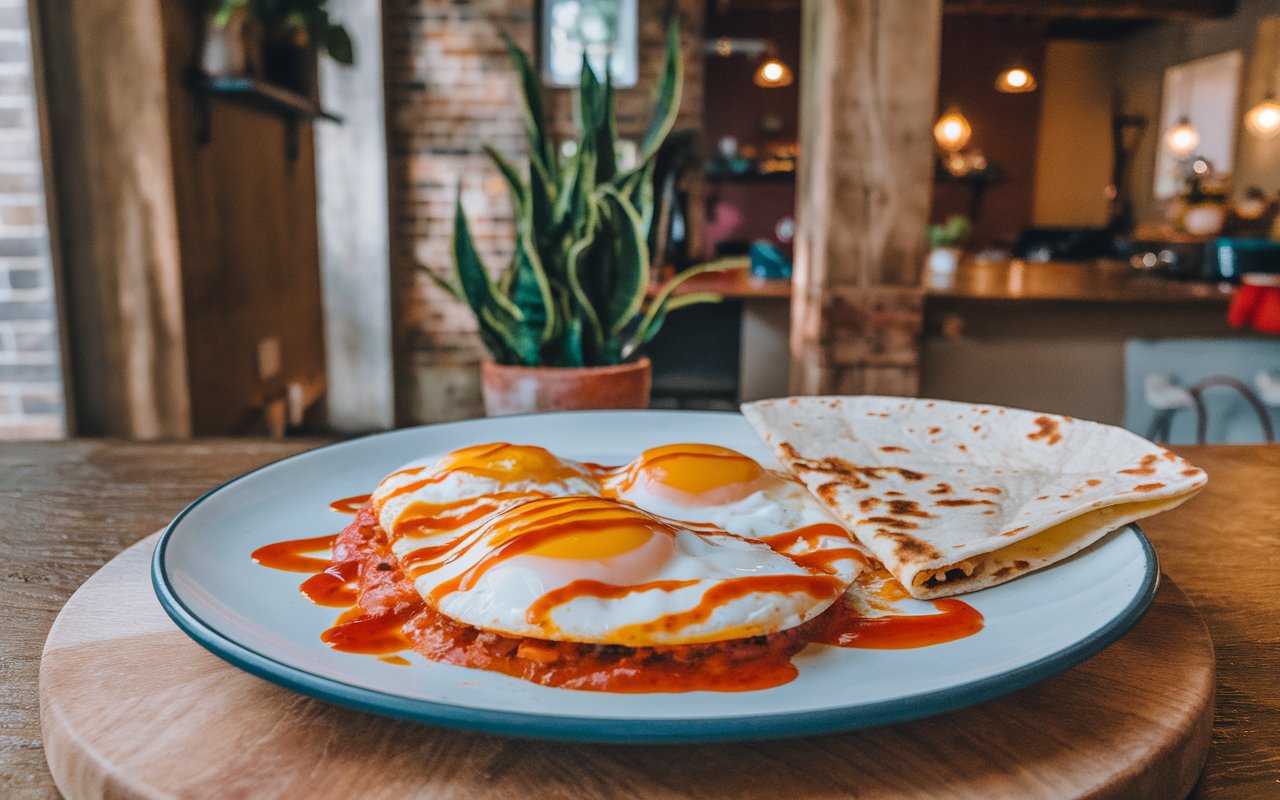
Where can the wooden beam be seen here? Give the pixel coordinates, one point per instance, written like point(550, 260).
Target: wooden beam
point(355, 260)
point(869, 81)
point(112, 177)
point(1096, 9)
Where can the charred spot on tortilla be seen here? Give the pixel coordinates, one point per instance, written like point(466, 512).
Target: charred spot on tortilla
point(1015, 531)
point(963, 501)
point(1145, 467)
point(893, 494)
point(942, 488)
point(1047, 429)
point(908, 508)
point(894, 449)
point(892, 522)
point(988, 490)
point(1148, 487)
point(868, 503)
point(934, 431)
point(908, 547)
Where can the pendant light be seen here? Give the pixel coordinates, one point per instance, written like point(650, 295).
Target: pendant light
point(1016, 80)
point(952, 131)
point(773, 74)
point(1182, 139)
point(1263, 120)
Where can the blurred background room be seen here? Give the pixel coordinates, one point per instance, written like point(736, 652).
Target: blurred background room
point(219, 218)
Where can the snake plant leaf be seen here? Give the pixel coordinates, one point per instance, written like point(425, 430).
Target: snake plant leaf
point(541, 146)
point(599, 123)
point(669, 94)
point(454, 290)
point(640, 193)
point(473, 276)
point(530, 290)
point(625, 293)
point(509, 173)
point(664, 295)
point(645, 335)
point(579, 258)
point(541, 210)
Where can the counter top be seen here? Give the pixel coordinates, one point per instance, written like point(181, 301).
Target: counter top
point(737, 284)
point(1089, 282)
point(69, 507)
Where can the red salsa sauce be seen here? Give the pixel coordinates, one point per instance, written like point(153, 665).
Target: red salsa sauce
point(385, 616)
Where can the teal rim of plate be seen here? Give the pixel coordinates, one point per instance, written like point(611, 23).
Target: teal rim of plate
point(635, 731)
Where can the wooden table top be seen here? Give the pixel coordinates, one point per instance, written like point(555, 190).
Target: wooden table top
point(69, 507)
point(1092, 282)
point(738, 284)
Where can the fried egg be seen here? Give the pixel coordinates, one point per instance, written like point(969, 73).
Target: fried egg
point(686, 544)
point(715, 485)
point(592, 569)
point(463, 488)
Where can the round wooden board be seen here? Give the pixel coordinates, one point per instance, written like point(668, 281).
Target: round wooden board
point(131, 707)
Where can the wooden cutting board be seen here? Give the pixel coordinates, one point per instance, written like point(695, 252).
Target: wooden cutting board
point(131, 707)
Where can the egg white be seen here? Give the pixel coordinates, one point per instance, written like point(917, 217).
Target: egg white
point(501, 598)
point(781, 504)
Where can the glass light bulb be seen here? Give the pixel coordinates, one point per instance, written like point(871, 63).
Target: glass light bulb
point(773, 73)
point(952, 131)
point(1263, 120)
point(1015, 80)
point(1182, 139)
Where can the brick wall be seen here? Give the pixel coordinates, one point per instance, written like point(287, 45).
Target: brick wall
point(30, 374)
point(450, 89)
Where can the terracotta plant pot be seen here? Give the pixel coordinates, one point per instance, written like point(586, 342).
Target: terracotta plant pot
point(522, 390)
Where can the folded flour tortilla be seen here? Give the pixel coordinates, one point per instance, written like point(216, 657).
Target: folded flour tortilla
point(954, 497)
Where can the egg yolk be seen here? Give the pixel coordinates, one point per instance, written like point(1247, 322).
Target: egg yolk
point(508, 462)
point(585, 528)
point(696, 473)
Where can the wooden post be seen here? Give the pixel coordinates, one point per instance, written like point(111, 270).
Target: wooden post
point(355, 261)
point(112, 188)
point(869, 82)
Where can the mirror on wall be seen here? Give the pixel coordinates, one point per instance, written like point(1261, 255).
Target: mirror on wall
point(605, 30)
point(1198, 118)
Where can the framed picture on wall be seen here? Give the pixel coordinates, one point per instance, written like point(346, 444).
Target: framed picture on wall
point(604, 30)
point(1205, 93)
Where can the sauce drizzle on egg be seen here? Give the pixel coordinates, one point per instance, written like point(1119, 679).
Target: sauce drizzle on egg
point(386, 615)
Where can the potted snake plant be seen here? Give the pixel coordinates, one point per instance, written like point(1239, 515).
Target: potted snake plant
point(565, 321)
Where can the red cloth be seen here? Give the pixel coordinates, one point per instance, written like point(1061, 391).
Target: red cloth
point(1257, 307)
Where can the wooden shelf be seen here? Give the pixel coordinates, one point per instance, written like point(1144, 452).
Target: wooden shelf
point(292, 107)
point(266, 95)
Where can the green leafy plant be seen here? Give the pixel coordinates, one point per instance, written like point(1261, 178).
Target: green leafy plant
point(573, 295)
point(952, 233)
point(307, 19)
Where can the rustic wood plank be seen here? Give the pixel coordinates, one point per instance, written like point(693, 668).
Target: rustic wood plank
point(355, 259)
point(869, 81)
point(104, 73)
point(96, 497)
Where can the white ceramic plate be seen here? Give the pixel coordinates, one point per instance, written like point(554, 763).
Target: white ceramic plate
point(1036, 626)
